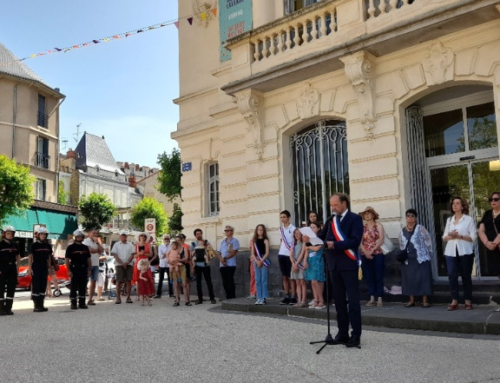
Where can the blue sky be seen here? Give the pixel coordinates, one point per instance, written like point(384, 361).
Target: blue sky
point(122, 89)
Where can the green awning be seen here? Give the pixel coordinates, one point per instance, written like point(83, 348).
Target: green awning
point(59, 224)
point(23, 222)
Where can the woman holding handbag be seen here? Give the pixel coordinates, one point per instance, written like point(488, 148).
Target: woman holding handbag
point(489, 229)
point(373, 257)
point(459, 234)
point(416, 270)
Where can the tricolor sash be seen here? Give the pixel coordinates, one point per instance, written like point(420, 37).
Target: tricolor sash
point(283, 238)
point(340, 236)
point(266, 262)
point(293, 249)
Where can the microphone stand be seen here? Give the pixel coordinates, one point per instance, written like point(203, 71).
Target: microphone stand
point(329, 341)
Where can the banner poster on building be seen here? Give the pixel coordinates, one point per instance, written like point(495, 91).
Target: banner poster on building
point(235, 18)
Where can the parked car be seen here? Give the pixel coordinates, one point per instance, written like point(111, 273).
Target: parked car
point(24, 280)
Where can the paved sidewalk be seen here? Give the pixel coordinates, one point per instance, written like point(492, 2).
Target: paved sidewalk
point(480, 320)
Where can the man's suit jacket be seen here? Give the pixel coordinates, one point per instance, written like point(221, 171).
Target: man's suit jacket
point(352, 227)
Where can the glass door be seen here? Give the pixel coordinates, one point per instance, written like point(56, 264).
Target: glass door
point(473, 181)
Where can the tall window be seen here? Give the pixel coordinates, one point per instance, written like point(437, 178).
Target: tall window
point(40, 189)
point(213, 188)
point(295, 5)
point(42, 157)
point(42, 117)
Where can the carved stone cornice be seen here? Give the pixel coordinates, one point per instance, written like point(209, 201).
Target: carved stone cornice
point(360, 71)
point(438, 64)
point(251, 106)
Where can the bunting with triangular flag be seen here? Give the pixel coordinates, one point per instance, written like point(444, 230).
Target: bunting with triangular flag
point(190, 19)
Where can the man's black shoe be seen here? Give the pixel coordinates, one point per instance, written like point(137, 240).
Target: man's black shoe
point(285, 301)
point(341, 339)
point(199, 302)
point(213, 301)
point(157, 297)
point(292, 301)
point(354, 341)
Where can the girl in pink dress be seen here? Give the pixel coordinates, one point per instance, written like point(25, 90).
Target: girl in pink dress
point(145, 285)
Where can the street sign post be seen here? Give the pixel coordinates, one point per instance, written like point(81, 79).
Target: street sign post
point(150, 225)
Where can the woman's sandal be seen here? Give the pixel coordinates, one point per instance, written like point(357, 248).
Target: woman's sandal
point(370, 303)
point(426, 305)
point(468, 306)
point(454, 307)
point(410, 304)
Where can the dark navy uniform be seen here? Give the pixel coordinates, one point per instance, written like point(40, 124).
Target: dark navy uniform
point(41, 253)
point(343, 270)
point(9, 253)
point(79, 256)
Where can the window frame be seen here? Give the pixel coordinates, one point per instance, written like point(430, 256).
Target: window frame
point(215, 179)
point(43, 183)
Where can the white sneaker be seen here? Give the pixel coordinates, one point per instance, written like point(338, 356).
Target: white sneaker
point(251, 297)
point(259, 302)
point(312, 303)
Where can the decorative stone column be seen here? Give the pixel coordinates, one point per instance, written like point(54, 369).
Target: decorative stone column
point(251, 106)
point(360, 71)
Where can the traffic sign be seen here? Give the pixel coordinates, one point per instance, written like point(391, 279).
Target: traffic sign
point(150, 225)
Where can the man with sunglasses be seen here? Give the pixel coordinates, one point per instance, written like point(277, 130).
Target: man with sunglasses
point(163, 250)
point(227, 258)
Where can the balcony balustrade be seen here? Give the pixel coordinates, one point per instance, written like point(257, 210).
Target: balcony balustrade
point(330, 29)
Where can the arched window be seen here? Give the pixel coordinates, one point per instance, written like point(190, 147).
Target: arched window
point(320, 167)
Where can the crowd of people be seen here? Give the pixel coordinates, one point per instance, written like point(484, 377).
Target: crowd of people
point(350, 241)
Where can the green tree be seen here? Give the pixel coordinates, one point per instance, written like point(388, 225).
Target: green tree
point(16, 188)
point(175, 222)
point(96, 210)
point(62, 196)
point(149, 208)
point(169, 177)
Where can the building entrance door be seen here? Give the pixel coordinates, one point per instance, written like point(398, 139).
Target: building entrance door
point(460, 157)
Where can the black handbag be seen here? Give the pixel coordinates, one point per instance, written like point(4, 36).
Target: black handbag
point(402, 255)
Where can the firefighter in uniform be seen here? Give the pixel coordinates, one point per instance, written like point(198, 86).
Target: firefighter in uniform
point(9, 267)
point(39, 260)
point(78, 264)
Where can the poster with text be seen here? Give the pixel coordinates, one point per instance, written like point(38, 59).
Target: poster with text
point(235, 18)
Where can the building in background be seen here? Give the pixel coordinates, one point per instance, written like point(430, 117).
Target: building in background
point(29, 126)
point(283, 103)
point(91, 168)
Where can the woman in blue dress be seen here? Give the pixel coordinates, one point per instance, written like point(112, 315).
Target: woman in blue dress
point(315, 269)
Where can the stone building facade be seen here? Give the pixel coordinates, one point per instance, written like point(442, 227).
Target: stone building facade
point(393, 101)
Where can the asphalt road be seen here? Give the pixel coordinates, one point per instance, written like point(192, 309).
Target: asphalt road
point(131, 343)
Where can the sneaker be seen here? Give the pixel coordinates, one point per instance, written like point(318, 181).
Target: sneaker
point(319, 306)
point(293, 301)
point(258, 302)
point(285, 301)
point(251, 296)
point(264, 301)
point(312, 303)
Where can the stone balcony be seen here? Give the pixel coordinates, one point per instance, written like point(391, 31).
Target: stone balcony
point(311, 42)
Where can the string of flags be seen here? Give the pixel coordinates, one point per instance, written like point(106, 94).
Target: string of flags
point(203, 16)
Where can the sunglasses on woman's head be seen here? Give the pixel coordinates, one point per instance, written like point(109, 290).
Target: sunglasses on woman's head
point(496, 199)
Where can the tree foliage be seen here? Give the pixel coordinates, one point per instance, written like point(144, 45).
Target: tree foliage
point(16, 187)
point(95, 211)
point(169, 177)
point(62, 196)
point(175, 222)
point(149, 208)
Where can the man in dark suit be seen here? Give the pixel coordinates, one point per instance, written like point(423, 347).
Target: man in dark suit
point(342, 233)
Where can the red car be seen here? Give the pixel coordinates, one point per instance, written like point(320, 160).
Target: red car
point(24, 280)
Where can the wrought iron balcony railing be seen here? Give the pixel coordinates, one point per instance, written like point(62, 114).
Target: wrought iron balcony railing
point(42, 120)
point(41, 160)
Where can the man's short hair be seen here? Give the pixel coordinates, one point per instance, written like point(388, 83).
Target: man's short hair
point(343, 198)
point(286, 212)
point(197, 230)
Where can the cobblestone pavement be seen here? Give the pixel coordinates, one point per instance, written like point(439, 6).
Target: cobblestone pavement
point(131, 343)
